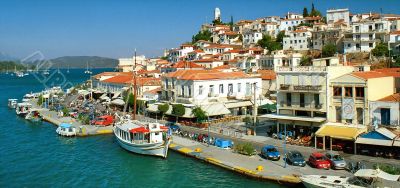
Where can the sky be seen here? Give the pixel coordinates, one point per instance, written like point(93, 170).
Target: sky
point(114, 28)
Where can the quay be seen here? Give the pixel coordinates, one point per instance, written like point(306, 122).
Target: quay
point(251, 166)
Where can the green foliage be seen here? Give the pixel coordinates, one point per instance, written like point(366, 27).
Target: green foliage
point(305, 61)
point(279, 37)
point(178, 110)
point(231, 23)
point(11, 65)
point(218, 22)
point(200, 114)
point(84, 119)
point(305, 24)
point(268, 43)
point(314, 12)
point(163, 108)
point(305, 12)
point(245, 149)
point(380, 50)
point(65, 111)
point(40, 100)
point(131, 99)
point(388, 169)
point(164, 58)
point(248, 120)
point(329, 50)
point(202, 35)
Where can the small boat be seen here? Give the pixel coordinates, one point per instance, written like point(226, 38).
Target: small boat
point(46, 72)
point(12, 103)
point(28, 97)
point(362, 178)
point(23, 108)
point(26, 74)
point(66, 129)
point(143, 137)
point(87, 71)
point(33, 115)
point(19, 74)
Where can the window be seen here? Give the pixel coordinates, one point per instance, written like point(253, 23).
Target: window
point(316, 101)
point(189, 91)
point(182, 90)
point(200, 90)
point(221, 88)
point(337, 91)
point(338, 114)
point(248, 88)
point(288, 79)
point(211, 92)
point(360, 92)
point(289, 99)
point(302, 80)
point(348, 92)
point(239, 85)
point(302, 104)
point(230, 89)
point(360, 116)
point(371, 45)
point(349, 45)
point(385, 116)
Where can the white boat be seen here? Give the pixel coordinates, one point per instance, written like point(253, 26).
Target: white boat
point(19, 74)
point(23, 108)
point(12, 103)
point(87, 71)
point(33, 115)
point(362, 178)
point(143, 137)
point(28, 97)
point(46, 72)
point(66, 129)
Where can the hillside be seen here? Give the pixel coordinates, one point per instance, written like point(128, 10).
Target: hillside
point(81, 61)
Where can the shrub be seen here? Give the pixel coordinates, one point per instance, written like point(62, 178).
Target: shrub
point(388, 169)
point(245, 149)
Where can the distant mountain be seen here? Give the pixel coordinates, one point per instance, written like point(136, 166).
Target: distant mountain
point(81, 61)
point(6, 57)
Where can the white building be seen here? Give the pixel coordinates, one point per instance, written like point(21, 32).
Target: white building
point(394, 41)
point(297, 40)
point(335, 15)
point(365, 35)
point(128, 64)
point(279, 58)
point(251, 37)
point(180, 54)
point(289, 24)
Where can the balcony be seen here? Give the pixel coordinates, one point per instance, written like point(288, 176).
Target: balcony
point(284, 87)
point(300, 88)
point(301, 69)
point(301, 106)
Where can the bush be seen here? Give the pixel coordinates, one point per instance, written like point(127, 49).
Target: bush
point(380, 50)
point(329, 50)
point(178, 110)
point(245, 149)
point(200, 114)
point(40, 100)
point(65, 111)
point(388, 169)
point(163, 108)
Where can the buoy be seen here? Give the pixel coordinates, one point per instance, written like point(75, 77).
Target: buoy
point(260, 168)
point(197, 150)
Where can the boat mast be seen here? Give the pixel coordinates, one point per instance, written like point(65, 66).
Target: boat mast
point(134, 89)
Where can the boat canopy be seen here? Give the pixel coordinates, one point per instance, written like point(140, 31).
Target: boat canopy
point(139, 130)
point(376, 173)
point(65, 125)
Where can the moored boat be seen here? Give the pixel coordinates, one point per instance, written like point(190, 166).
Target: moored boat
point(143, 137)
point(33, 115)
point(66, 129)
point(12, 103)
point(23, 108)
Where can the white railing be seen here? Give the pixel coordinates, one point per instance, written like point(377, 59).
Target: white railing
point(301, 69)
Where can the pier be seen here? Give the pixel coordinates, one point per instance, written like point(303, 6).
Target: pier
point(251, 166)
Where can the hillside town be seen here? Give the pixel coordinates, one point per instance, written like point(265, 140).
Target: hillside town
point(327, 80)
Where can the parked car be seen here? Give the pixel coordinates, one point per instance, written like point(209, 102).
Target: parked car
point(270, 152)
point(337, 161)
point(319, 160)
point(295, 158)
point(105, 120)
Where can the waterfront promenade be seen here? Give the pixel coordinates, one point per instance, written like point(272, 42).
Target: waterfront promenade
point(248, 165)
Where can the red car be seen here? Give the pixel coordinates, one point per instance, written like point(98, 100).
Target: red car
point(103, 120)
point(319, 160)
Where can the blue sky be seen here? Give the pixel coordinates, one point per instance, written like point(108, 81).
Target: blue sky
point(115, 28)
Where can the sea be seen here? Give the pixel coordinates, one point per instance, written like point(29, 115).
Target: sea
point(33, 155)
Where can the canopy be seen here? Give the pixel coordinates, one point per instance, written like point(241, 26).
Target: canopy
point(139, 130)
point(341, 131)
point(116, 94)
point(293, 118)
point(119, 102)
point(215, 109)
point(376, 173)
point(65, 125)
point(83, 92)
point(153, 108)
point(381, 137)
point(238, 104)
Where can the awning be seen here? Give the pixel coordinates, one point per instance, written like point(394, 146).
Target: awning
point(153, 108)
point(341, 131)
point(119, 102)
point(238, 104)
point(116, 94)
point(376, 173)
point(65, 125)
point(270, 107)
point(104, 97)
point(380, 137)
point(396, 142)
point(215, 109)
point(83, 92)
point(139, 130)
point(293, 118)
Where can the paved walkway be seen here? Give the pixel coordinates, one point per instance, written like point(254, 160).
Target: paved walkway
point(272, 170)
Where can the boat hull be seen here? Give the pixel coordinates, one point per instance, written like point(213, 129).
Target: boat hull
point(158, 149)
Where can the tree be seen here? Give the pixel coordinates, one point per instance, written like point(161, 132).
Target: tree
point(231, 23)
point(314, 12)
point(200, 114)
point(40, 100)
point(397, 62)
point(130, 100)
point(305, 12)
point(163, 108)
point(380, 50)
point(329, 50)
point(305, 61)
point(268, 43)
point(178, 110)
point(202, 35)
point(217, 22)
point(279, 37)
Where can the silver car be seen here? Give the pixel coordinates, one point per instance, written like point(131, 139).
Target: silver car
point(337, 161)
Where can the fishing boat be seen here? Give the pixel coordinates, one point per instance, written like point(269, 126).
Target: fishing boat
point(66, 129)
point(28, 97)
point(143, 137)
point(23, 108)
point(19, 74)
point(33, 115)
point(87, 71)
point(12, 103)
point(362, 178)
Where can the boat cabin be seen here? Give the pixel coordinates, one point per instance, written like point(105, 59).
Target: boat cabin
point(144, 134)
point(12, 103)
point(66, 129)
point(23, 108)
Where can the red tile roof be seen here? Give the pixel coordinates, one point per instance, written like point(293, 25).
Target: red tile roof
point(206, 60)
point(391, 98)
point(205, 75)
point(154, 91)
point(97, 76)
point(395, 72)
point(121, 79)
point(186, 64)
point(369, 74)
point(267, 74)
point(395, 33)
point(222, 67)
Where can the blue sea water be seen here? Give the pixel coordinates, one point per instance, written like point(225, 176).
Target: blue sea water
point(33, 155)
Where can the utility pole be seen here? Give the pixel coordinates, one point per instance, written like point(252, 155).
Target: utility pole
point(255, 109)
point(134, 89)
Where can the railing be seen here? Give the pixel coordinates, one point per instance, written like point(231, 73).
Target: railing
point(307, 87)
point(301, 69)
point(284, 87)
point(301, 105)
